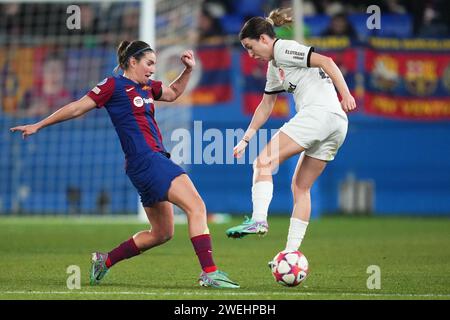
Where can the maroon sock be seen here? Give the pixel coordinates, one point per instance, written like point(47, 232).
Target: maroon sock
point(203, 249)
point(125, 250)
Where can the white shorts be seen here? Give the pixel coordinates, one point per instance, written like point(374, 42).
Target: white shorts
point(320, 132)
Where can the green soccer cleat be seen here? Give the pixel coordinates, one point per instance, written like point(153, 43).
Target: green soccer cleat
point(217, 279)
point(98, 268)
point(249, 226)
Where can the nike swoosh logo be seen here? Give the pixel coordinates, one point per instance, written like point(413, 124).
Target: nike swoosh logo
point(226, 281)
point(129, 89)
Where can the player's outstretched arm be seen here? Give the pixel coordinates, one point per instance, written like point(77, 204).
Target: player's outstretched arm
point(262, 113)
point(327, 64)
point(177, 87)
point(69, 111)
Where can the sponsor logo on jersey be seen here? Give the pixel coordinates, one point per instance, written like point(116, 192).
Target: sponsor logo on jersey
point(296, 54)
point(139, 101)
point(297, 58)
point(148, 100)
point(96, 90)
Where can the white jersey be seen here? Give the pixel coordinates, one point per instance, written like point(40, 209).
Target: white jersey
point(289, 71)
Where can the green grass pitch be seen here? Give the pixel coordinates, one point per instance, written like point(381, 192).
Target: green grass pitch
point(413, 255)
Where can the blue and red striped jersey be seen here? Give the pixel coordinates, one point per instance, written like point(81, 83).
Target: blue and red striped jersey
point(132, 111)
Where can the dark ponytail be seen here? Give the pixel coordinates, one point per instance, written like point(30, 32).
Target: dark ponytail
point(127, 49)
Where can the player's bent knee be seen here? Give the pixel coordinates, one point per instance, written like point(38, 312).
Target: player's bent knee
point(166, 237)
point(262, 162)
point(299, 191)
point(262, 167)
point(196, 207)
point(163, 237)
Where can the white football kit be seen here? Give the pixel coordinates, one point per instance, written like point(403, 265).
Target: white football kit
point(320, 125)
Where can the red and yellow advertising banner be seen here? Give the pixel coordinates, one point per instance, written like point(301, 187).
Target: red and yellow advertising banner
point(254, 72)
point(408, 79)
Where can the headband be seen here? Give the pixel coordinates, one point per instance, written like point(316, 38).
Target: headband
point(137, 52)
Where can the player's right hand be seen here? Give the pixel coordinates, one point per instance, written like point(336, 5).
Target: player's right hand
point(26, 130)
point(348, 103)
point(188, 59)
point(239, 149)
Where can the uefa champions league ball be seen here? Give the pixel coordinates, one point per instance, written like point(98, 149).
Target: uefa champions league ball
point(289, 268)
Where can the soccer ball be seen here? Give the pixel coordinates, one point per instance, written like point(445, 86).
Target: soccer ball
point(289, 268)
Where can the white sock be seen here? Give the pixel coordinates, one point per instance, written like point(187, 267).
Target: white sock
point(297, 230)
point(261, 197)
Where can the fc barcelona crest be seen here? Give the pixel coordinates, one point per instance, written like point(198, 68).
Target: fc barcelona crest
point(421, 77)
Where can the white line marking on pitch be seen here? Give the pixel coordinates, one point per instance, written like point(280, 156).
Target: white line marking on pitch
point(196, 293)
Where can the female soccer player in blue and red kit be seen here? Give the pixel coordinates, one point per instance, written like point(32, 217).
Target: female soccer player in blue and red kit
point(129, 98)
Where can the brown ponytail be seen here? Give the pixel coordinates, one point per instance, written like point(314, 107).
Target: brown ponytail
point(127, 49)
point(281, 16)
point(257, 26)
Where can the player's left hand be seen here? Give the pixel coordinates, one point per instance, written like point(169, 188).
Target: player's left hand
point(239, 149)
point(26, 130)
point(188, 59)
point(348, 103)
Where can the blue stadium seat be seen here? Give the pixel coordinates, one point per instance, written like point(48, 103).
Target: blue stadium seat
point(392, 25)
point(358, 22)
point(232, 24)
point(249, 7)
point(317, 24)
point(396, 25)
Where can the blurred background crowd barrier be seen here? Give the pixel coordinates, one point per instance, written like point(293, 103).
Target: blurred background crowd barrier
point(396, 158)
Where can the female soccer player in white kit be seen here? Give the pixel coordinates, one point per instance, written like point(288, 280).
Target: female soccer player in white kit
point(318, 129)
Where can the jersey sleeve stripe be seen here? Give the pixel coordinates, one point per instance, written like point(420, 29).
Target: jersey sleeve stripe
point(274, 92)
point(311, 50)
point(156, 89)
point(157, 97)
